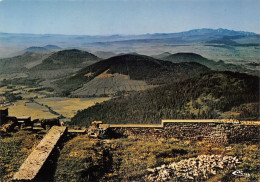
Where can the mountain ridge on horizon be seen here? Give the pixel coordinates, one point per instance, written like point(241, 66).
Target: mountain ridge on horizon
point(12, 44)
point(155, 33)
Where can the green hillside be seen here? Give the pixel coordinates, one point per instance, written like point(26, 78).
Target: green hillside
point(192, 57)
point(42, 50)
point(206, 96)
point(52, 47)
point(66, 59)
point(21, 63)
point(162, 55)
point(137, 67)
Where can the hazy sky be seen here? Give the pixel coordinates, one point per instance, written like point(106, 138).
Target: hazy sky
point(99, 17)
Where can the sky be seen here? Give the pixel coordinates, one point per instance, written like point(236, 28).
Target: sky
point(107, 17)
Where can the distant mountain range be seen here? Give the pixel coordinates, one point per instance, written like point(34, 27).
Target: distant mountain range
point(197, 35)
point(107, 46)
point(196, 32)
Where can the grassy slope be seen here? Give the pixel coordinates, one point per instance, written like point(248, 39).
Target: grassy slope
point(127, 159)
point(14, 149)
point(211, 94)
point(82, 159)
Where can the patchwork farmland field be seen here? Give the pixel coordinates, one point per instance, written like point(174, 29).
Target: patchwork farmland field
point(39, 103)
point(68, 107)
point(25, 92)
point(25, 108)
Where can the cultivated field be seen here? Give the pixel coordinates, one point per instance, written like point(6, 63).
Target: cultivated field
point(25, 108)
point(68, 107)
point(24, 91)
point(39, 103)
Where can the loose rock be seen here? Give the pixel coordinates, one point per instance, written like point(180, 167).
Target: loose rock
point(191, 169)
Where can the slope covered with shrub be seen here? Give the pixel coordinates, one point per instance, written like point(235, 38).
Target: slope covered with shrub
point(205, 96)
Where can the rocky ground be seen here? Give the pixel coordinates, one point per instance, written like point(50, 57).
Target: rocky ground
point(194, 169)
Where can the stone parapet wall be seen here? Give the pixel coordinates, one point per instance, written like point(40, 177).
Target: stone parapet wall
point(240, 132)
point(214, 132)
